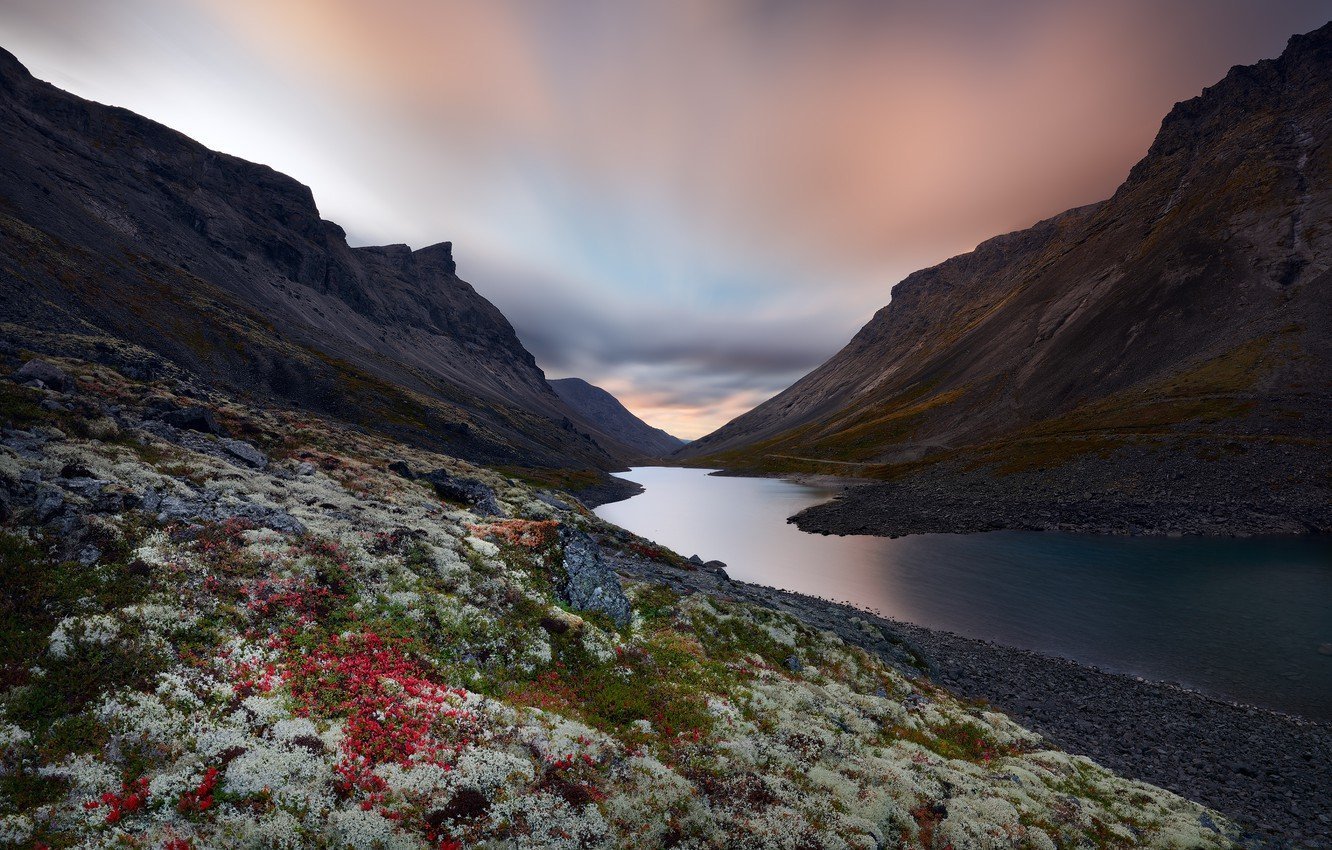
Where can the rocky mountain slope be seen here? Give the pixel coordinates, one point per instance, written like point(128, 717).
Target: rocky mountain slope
point(314, 636)
point(1153, 341)
point(605, 412)
point(113, 223)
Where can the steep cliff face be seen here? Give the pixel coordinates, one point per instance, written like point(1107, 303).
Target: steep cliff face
point(604, 411)
point(114, 223)
point(1194, 303)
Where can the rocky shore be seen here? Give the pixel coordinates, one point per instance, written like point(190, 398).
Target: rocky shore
point(1255, 489)
point(1268, 771)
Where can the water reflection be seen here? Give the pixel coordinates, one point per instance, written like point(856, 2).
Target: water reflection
point(1238, 618)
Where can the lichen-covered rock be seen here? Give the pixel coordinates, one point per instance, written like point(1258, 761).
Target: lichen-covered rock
point(590, 584)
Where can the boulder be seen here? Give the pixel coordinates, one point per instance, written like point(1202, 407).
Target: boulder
point(469, 491)
point(590, 584)
point(717, 568)
point(194, 418)
point(245, 452)
point(49, 375)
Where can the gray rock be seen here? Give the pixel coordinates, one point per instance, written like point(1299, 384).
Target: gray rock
point(50, 502)
point(305, 468)
point(553, 500)
point(400, 467)
point(247, 453)
point(284, 522)
point(49, 375)
point(792, 663)
point(590, 584)
point(469, 491)
point(717, 568)
point(208, 506)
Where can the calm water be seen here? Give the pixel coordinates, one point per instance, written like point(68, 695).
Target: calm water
point(1241, 619)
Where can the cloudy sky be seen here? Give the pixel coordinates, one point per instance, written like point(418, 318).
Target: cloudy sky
point(688, 202)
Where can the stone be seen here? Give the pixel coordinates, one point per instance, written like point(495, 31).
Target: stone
point(284, 522)
point(194, 418)
point(717, 568)
point(469, 491)
point(247, 453)
point(49, 375)
point(553, 500)
point(590, 584)
point(400, 467)
point(50, 502)
point(793, 663)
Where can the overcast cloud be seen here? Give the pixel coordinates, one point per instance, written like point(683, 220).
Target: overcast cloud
point(688, 202)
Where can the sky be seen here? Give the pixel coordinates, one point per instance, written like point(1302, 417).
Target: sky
point(690, 203)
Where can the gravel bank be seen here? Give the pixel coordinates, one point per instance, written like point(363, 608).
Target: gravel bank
point(1261, 489)
point(1269, 771)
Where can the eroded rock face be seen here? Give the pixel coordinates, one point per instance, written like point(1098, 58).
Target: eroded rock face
point(591, 585)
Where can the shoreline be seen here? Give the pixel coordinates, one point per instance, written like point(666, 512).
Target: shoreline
point(1140, 493)
point(1268, 770)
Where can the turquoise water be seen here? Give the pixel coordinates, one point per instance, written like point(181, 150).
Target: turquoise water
point(1241, 619)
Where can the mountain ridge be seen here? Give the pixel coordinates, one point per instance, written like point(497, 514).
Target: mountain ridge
point(611, 417)
point(1187, 312)
point(115, 222)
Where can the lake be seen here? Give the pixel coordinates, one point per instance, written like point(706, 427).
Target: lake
point(1237, 618)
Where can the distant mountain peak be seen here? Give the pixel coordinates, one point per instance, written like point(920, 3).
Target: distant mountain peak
point(605, 411)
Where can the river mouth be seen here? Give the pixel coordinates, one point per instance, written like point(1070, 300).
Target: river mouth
point(1238, 619)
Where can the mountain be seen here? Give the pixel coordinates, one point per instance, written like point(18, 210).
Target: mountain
point(604, 411)
point(1171, 345)
point(113, 224)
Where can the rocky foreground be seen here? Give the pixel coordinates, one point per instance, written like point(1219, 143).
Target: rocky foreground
point(230, 626)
